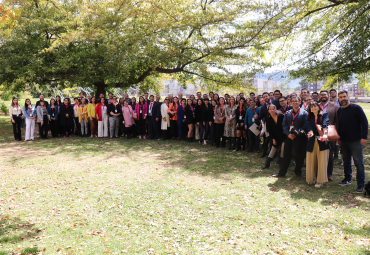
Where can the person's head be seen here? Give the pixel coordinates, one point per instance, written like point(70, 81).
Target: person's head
point(110, 95)
point(261, 101)
point(52, 101)
point(141, 100)
point(133, 100)
point(179, 95)
point(315, 96)
point(42, 103)
point(241, 102)
point(272, 109)
point(102, 100)
point(214, 102)
point(83, 100)
point(81, 95)
point(333, 94)
point(221, 100)
point(252, 103)
point(41, 97)
point(205, 96)
point(114, 99)
point(183, 101)
point(151, 98)
point(89, 97)
point(324, 96)
point(192, 97)
point(232, 100)
point(93, 100)
point(295, 102)
point(175, 100)
point(241, 94)
point(226, 96)
point(157, 98)
point(65, 101)
point(294, 94)
point(199, 102)
point(146, 95)
point(271, 95)
point(216, 97)
point(266, 97)
point(277, 94)
point(210, 94)
point(206, 101)
point(199, 95)
point(57, 98)
point(195, 102)
point(190, 102)
point(313, 109)
point(252, 95)
point(308, 100)
point(304, 92)
point(27, 103)
point(237, 98)
point(343, 98)
point(126, 95)
point(282, 101)
point(121, 100)
point(101, 95)
point(125, 103)
point(167, 100)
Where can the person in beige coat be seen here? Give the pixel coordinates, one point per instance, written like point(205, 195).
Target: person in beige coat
point(165, 124)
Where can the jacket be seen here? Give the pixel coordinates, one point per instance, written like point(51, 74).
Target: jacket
point(275, 130)
point(206, 113)
point(114, 109)
point(40, 114)
point(56, 111)
point(240, 115)
point(198, 114)
point(312, 127)
point(248, 120)
point(83, 111)
point(189, 113)
point(300, 122)
point(91, 108)
point(156, 111)
point(27, 112)
point(173, 108)
point(63, 111)
point(180, 114)
point(98, 111)
point(220, 114)
point(164, 113)
point(144, 110)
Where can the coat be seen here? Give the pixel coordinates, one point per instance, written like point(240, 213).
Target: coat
point(173, 108)
point(56, 111)
point(98, 111)
point(144, 110)
point(189, 113)
point(83, 112)
point(230, 129)
point(180, 114)
point(27, 112)
point(275, 130)
point(164, 114)
point(219, 114)
point(312, 127)
point(63, 111)
point(39, 113)
point(91, 108)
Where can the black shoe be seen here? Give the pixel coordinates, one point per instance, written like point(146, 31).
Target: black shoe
point(263, 155)
point(267, 164)
point(299, 176)
point(345, 182)
point(278, 161)
point(360, 189)
point(278, 175)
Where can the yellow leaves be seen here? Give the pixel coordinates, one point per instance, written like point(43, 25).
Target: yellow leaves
point(107, 251)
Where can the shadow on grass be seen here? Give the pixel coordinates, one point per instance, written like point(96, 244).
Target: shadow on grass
point(14, 231)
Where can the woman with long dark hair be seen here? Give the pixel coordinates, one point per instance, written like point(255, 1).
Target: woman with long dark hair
point(140, 113)
point(190, 118)
point(220, 122)
point(199, 121)
point(91, 112)
point(173, 118)
point(53, 111)
point(102, 118)
point(29, 111)
point(43, 119)
point(128, 120)
point(230, 125)
point(15, 112)
point(211, 119)
point(241, 133)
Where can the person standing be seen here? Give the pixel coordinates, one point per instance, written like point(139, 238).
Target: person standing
point(101, 112)
point(53, 111)
point(154, 116)
point(317, 147)
point(128, 119)
point(241, 133)
point(41, 98)
point(353, 130)
point(211, 119)
point(295, 127)
point(198, 120)
point(29, 112)
point(251, 118)
point(230, 123)
point(173, 111)
point(15, 112)
point(91, 113)
point(66, 115)
point(220, 122)
point(165, 125)
point(140, 113)
point(76, 116)
point(181, 120)
point(332, 110)
point(114, 111)
point(43, 119)
point(263, 114)
point(190, 118)
point(83, 117)
point(206, 108)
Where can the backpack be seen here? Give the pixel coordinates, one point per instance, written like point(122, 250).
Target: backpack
point(367, 189)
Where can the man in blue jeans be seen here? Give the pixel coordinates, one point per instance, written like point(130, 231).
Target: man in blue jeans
point(353, 130)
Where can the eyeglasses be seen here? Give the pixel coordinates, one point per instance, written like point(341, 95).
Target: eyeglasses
point(281, 101)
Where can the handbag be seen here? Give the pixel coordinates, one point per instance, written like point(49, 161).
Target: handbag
point(333, 134)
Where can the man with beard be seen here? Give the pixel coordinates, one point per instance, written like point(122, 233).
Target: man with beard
point(284, 107)
point(353, 130)
point(315, 97)
point(332, 110)
point(334, 97)
point(275, 101)
point(263, 114)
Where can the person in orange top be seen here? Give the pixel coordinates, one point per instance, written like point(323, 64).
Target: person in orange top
point(172, 110)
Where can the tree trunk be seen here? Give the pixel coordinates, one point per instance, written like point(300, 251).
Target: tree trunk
point(100, 89)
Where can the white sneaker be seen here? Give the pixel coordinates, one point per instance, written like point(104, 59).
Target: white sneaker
point(319, 185)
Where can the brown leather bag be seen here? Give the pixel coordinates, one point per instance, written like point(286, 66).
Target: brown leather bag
point(333, 134)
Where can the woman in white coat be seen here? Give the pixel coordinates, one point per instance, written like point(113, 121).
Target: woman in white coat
point(165, 124)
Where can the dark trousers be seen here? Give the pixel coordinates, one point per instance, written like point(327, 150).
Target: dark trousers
point(44, 128)
point(54, 127)
point(331, 158)
point(67, 129)
point(212, 133)
point(141, 126)
point(202, 132)
point(219, 134)
point(266, 142)
point(174, 128)
point(128, 130)
point(17, 127)
point(166, 132)
point(288, 148)
point(78, 127)
point(253, 140)
point(182, 130)
point(353, 149)
point(153, 128)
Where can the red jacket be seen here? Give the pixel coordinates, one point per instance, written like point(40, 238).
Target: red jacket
point(98, 111)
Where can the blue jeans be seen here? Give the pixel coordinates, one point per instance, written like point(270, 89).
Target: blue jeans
point(353, 149)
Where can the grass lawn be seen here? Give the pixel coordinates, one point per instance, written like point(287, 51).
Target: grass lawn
point(96, 196)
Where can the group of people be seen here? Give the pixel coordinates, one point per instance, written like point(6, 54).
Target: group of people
point(291, 127)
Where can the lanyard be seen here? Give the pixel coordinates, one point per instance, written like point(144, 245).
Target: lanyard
point(315, 121)
point(323, 108)
point(221, 107)
point(151, 105)
point(183, 108)
point(304, 105)
point(254, 111)
point(240, 110)
point(294, 116)
point(284, 111)
point(192, 109)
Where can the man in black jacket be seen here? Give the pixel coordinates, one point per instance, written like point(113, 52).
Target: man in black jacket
point(114, 112)
point(154, 115)
point(263, 117)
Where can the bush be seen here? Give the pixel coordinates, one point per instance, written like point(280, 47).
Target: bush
point(3, 108)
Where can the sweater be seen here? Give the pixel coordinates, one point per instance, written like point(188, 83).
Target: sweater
point(352, 123)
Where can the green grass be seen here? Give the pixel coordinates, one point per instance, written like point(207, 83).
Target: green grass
point(90, 196)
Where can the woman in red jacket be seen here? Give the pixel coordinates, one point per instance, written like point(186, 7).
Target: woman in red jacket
point(102, 117)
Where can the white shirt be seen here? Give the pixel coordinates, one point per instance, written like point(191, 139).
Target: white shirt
point(324, 107)
point(15, 110)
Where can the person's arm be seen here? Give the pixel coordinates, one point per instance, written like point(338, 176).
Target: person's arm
point(246, 119)
point(325, 120)
point(286, 125)
point(305, 122)
point(25, 113)
point(364, 124)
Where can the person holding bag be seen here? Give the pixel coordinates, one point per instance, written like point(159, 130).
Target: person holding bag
point(29, 111)
point(318, 149)
point(43, 119)
point(53, 111)
point(15, 112)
